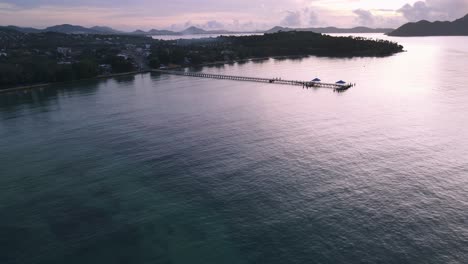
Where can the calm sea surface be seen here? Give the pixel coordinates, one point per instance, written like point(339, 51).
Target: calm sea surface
point(168, 169)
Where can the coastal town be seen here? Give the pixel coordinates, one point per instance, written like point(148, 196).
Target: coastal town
point(47, 57)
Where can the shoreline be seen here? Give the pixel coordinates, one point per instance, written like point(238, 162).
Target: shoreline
point(175, 67)
point(44, 85)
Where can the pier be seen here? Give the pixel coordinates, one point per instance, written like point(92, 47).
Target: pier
point(305, 84)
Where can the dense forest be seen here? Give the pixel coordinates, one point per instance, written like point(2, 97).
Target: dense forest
point(34, 58)
point(268, 45)
point(308, 43)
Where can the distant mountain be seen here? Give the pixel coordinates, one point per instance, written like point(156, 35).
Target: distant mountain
point(193, 31)
point(458, 27)
point(100, 30)
point(279, 29)
point(332, 30)
point(139, 32)
point(9, 31)
point(68, 29)
point(71, 29)
point(155, 32)
point(189, 31)
point(196, 31)
point(23, 29)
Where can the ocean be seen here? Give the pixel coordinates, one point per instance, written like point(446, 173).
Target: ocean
point(156, 168)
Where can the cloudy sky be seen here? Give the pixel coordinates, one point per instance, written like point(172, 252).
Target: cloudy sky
point(226, 14)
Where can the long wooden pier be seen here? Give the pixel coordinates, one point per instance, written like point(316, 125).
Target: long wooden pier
point(305, 84)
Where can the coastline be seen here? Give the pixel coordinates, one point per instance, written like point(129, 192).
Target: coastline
point(44, 85)
point(22, 88)
point(174, 67)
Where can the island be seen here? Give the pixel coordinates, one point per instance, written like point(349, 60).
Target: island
point(47, 57)
point(333, 30)
point(424, 28)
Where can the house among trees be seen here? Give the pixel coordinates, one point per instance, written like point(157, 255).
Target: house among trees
point(65, 52)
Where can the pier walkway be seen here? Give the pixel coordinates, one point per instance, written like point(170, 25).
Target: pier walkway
point(305, 84)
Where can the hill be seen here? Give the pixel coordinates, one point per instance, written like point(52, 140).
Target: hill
point(75, 29)
point(332, 30)
point(66, 29)
point(188, 31)
point(458, 27)
point(23, 29)
point(98, 30)
point(193, 30)
point(71, 29)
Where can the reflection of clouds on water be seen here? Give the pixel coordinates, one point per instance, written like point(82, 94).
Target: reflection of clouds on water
point(47, 96)
point(458, 52)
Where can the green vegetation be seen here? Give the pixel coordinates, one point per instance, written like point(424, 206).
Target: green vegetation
point(33, 58)
point(307, 43)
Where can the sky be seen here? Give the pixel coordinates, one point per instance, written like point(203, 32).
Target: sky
point(239, 15)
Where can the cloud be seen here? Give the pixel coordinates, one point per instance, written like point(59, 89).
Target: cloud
point(292, 19)
point(304, 17)
point(365, 17)
point(313, 18)
point(417, 11)
point(234, 25)
point(217, 14)
point(213, 24)
point(378, 18)
point(435, 10)
point(146, 14)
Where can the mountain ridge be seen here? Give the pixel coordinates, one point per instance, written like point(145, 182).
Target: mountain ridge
point(76, 29)
point(192, 30)
point(423, 28)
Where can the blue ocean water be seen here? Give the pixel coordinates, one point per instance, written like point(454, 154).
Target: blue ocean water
point(169, 169)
